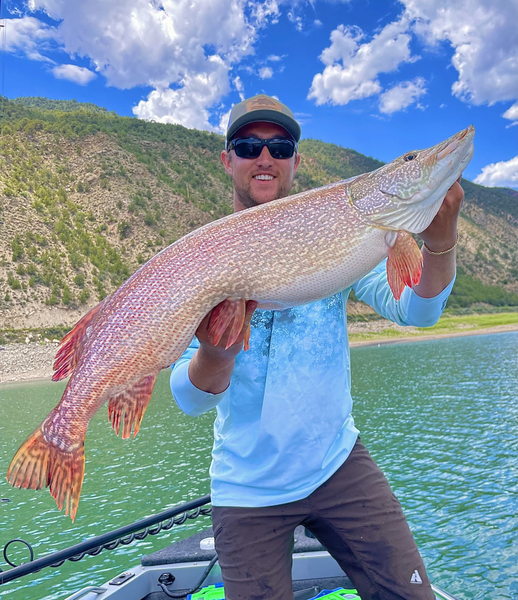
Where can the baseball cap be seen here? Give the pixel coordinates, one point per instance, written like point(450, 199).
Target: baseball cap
point(262, 108)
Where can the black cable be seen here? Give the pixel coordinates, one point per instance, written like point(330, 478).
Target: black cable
point(124, 535)
point(194, 589)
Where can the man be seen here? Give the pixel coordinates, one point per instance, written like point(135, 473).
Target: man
point(286, 451)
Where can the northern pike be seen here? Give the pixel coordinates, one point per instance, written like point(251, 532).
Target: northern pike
point(284, 253)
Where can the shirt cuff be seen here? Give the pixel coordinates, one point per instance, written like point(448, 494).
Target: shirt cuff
point(190, 399)
point(425, 312)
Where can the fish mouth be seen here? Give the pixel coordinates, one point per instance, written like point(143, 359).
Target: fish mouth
point(453, 143)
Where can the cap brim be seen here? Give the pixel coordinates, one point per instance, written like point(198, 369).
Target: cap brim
point(266, 116)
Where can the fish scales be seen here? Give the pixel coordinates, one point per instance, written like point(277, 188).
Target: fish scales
point(281, 254)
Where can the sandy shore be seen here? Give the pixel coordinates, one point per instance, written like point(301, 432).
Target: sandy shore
point(33, 361)
point(432, 336)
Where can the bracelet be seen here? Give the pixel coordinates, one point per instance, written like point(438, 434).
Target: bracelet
point(444, 251)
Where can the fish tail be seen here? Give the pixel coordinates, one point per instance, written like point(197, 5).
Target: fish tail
point(40, 463)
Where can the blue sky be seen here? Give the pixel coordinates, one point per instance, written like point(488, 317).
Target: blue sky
point(377, 76)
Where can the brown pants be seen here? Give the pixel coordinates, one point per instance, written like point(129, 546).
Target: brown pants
point(354, 515)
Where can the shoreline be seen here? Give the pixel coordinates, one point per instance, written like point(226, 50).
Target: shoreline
point(15, 359)
point(432, 336)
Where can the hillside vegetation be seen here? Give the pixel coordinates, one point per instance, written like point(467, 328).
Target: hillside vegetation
point(86, 197)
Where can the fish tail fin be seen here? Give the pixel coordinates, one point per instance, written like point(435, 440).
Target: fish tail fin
point(39, 463)
point(229, 313)
point(404, 264)
point(71, 346)
point(128, 407)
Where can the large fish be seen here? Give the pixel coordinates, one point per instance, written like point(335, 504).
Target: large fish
point(289, 252)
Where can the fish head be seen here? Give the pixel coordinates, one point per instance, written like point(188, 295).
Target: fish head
point(408, 192)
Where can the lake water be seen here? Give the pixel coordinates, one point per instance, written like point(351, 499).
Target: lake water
point(439, 416)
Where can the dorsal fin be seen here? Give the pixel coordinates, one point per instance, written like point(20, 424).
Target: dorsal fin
point(71, 346)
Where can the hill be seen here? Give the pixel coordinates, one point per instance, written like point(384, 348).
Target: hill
point(87, 196)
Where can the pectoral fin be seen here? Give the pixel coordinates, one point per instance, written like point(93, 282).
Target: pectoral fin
point(128, 407)
point(229, 313)
point(404, 264)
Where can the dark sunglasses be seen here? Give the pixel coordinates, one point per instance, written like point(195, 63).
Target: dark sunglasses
point(252, 147)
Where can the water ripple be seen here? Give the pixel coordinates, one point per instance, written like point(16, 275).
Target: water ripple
point(438, 416)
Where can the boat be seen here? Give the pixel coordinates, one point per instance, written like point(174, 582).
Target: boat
point(188, 568)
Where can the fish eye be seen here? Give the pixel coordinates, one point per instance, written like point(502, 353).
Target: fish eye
point(409, 156)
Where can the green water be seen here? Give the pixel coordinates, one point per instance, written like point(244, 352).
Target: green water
point(439, 417)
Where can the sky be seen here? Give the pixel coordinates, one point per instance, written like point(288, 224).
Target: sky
point(382, 77)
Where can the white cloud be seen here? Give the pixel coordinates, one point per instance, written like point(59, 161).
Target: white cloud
point(79, 75)
point(302, 118)
point(223, 122)
point(265, 73)
point(188, 105)
point(357, 75)
point(178, 47)
point(138, 42)
point(296, 19)
point(500, 174)
point(185, 49)
point(402, 95)
point(512, 114)
point(484, 38)
point(274, 58)
point(29, 36)
point(266, 12)
point(238, 84)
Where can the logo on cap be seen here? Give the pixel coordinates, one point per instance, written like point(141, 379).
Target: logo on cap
point(263, 103)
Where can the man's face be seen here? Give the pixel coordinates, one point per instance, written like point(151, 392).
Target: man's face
point(262, 179)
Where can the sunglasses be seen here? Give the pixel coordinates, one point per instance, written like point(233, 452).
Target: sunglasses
point(252, 147)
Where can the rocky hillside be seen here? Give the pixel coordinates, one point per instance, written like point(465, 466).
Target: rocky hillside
point(86, 197)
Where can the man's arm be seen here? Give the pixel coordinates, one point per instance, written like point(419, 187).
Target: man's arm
point(441, 235)
point(211, 367)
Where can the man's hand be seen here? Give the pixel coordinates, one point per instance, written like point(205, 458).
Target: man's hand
point(441, 234)
point(211, 367)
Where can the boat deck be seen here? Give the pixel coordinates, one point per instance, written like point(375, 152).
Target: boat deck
point(189, 551)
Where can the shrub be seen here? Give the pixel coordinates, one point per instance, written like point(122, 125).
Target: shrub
point(13, 282)
point(124, 229)
point(67, 295)
point(83, 296)
point(79, 280)
point(17, 248)
point(149, 219)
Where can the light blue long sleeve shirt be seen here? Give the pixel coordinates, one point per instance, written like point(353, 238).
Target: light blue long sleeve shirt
point(284, 424)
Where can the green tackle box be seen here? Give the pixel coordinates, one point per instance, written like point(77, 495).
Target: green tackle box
point(337, 594)
point(211, 592)
point(216, 592)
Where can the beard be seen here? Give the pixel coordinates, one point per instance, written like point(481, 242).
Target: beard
point(248, 199)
